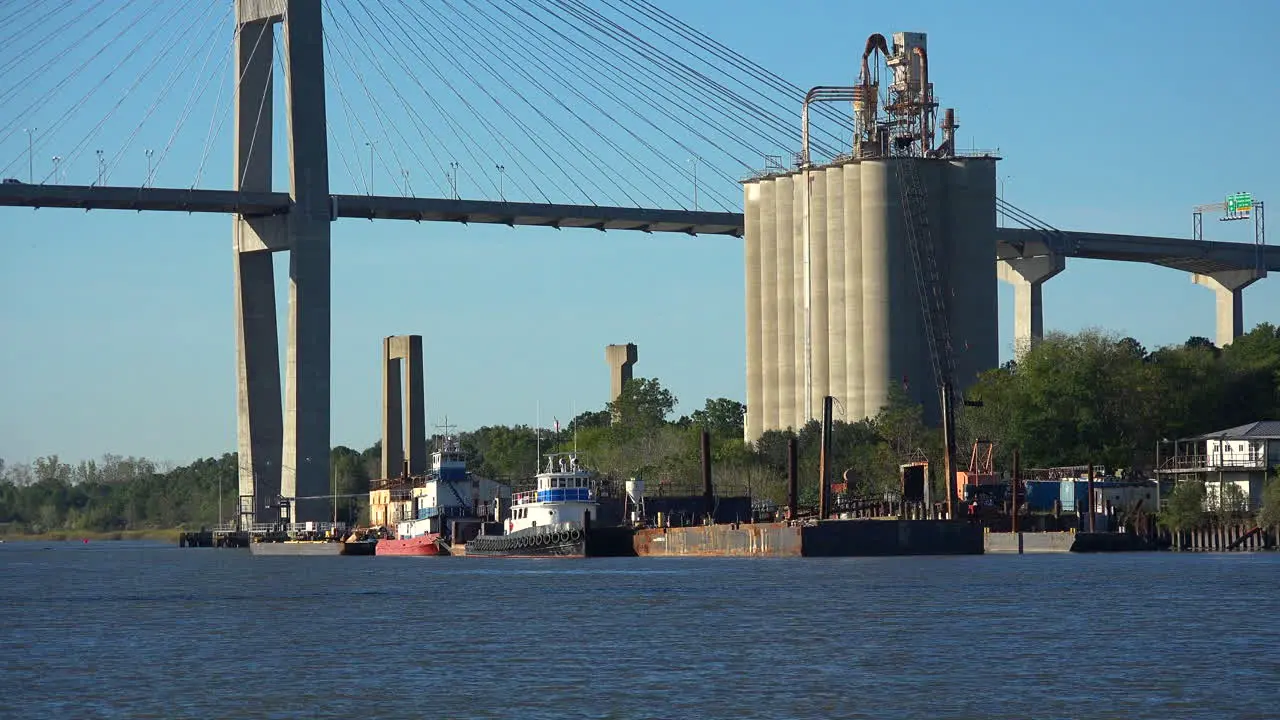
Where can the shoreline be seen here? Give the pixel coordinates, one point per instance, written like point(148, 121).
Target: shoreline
point(170, 535)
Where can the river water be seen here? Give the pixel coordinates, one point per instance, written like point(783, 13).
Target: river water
point(138, 630)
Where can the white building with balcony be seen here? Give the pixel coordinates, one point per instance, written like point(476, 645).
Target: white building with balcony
point(1244, 457)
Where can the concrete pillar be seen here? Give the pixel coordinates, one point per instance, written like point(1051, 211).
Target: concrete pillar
point(307, 369)
point(769, 383)
point(755, 377)
point(404, 413)
point(784, 201)
point(855, 382)
point(621, 359)
point(1027, 275)
point(1228, 286)
point(259, 421)
point(820, 302)
point(800, 277)
point(835, 287)
point(392, 409)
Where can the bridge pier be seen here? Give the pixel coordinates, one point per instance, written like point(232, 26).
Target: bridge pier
point(404, 417)
point(1028, 275)
point(283, 450)
point(1228, 286)
point(259, 422)
point(621, 359)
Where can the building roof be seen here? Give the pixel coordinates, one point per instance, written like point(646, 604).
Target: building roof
point(1260, 430)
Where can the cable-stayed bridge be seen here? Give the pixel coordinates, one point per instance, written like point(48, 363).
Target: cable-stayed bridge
point(612, 115)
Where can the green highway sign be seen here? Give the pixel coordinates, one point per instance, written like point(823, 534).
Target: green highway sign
point(1239, 203)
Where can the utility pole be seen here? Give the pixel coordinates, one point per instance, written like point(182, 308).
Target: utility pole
point(501, 169)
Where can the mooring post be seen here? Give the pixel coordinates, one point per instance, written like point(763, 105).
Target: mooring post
point(792, 479)
point(1013, 488)
point(708, 495)
point(949, 449)
point(1089, 492)
point(824, 461)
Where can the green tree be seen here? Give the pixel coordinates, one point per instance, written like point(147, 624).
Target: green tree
point(643, 403)
point(1269, 514)
point(1185, 509)
point(721, 417)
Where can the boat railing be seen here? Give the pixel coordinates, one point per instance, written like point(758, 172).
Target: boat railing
point(553, 495)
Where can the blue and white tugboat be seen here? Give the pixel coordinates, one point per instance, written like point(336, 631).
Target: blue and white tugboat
point(553, 520)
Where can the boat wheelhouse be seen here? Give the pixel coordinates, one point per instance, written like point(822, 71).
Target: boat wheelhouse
point(564, 494)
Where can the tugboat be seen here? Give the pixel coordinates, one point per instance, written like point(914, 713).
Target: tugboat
point(423, 515)
point(554, 519)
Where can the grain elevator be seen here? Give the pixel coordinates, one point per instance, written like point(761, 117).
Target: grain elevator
point(876, 268)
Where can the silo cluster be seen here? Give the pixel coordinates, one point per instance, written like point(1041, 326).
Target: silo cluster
point(833, 300)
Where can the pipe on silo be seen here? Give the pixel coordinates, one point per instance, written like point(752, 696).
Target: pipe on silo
point(835, 287)
point(800, 245)
point(785, 203)
point(854, 340)
point(769, 379)
point(819, 303)
point(879, 201)
point(751, 264)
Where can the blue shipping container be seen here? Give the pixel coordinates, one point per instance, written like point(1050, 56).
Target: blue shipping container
point(1041, 494)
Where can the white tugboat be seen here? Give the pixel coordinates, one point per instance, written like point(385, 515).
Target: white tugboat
point(553, 520)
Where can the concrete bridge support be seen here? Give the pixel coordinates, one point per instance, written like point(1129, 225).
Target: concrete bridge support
point(621, 359)
point(300, 467)
point(404, 415)
point(1229, 287)
point(1028, 275)
point(259, 422)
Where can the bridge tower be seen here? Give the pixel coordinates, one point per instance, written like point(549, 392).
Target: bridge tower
point(284, 449)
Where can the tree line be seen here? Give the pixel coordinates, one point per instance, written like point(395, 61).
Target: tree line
point(1070, 400)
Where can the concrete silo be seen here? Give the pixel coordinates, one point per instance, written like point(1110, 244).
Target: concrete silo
point(837, 270)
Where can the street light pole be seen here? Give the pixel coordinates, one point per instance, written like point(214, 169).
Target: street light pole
point(501, 169)
point(370, 144)
point(694, 160)
point(31, 157)
point(149, 154)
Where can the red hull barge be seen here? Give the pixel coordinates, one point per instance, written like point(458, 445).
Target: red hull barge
point(421, 545)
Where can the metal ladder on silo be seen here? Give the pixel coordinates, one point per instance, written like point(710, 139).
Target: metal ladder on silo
point(933, 303)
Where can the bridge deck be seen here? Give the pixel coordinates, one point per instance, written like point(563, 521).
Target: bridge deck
point(1189, 255)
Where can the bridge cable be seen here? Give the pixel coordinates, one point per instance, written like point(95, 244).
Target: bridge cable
point(194, 97)
point(607, 140)
point(565, 69)
point(565, 159)
point(687, 73)
point(620, 36)
point(542, 147)
point(469, 143)
point(45, 42)
point(720, 50)
point(378, 114)
point(48, 96)
point(73, 112)
point(635, 81)
point(417, 121)
point(177, 72)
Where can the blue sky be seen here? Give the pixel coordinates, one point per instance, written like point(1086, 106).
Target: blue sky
point(117, 327)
